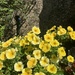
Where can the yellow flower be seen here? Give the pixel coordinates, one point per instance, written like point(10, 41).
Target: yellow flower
point(72, 35)
point(62, 31)
point(48, 37)
point(62, 51)
point(36, 30)
point(46, 47)
point(69, 28)
point(60, 56)
point(36, 40)
point(54, 43)
point(53, 34)
point(53, 28)
point(70, 58)
point(59, 28)
point(41, 44)
point(28, 57)
point(1, 65)
point(52, 68)
point(11, 53)
point(16, 41)
point(44, 61)
point(3, 56)
point(39, 73)
point(30, 37)
point(18, 66)
point(6, 44)
point(26, 71)
point(31, 62)
point(22, 42)
point(37, 54)
point(54, 58)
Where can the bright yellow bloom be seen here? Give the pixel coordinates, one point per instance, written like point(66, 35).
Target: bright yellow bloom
point(48, 37)
point(61, 51)
point(59, 28)
point(16, 41)
point(26, 71)
point(6, 44)
point(28, 57)
point(32, 62)
point(36, 40)
point(44, 61)
point(18, 66)
point(46, 47)
point(22, 42)
point(11, 53)
point(3, 56)
point(53, 28)
point(39, 73)
point(52, 68)
point(70, 58)
point(1, 65)
point(41, 44)
point(36, 30)
point(69, 28)
point(60, 56)
point(72, 35)
point(54, 43)
point(53, 34)
point(62, 31)
point(30, 37)
point(37, 54)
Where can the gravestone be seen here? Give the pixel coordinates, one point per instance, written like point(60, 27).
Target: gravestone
point(57, 12)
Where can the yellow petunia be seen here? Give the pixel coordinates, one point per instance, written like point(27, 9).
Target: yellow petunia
point(53, 34)
point(26, 71)
point(30, 37)
point(54, 43)
point(46, 47)
point(52, 68)
point(37, 54)
point(62, 31)
point(18, 66)
point(11, 53)
point(48, 37)
point(61, 51)
point(31, 62)
point(36, 30)
point(41, 44)
point(44, 61)
point(1, 65)
point(54, 58)
point(72, 35)
point(36, 40)
point(39, 73)
point(70, 58)
point(6, 44)
point(69, 28)
point(3, 56)
point(22, 42)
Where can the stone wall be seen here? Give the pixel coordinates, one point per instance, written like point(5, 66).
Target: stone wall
point(32, 18)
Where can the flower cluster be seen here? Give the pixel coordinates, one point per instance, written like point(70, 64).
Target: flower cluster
point(34, 55)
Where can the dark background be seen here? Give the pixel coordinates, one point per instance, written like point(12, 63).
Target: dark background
point(57, 12)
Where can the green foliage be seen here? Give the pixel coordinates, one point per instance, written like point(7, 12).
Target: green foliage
point(9, 9)
point(1, 31)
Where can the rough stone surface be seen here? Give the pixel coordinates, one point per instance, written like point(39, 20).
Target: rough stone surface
point(32, 18)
